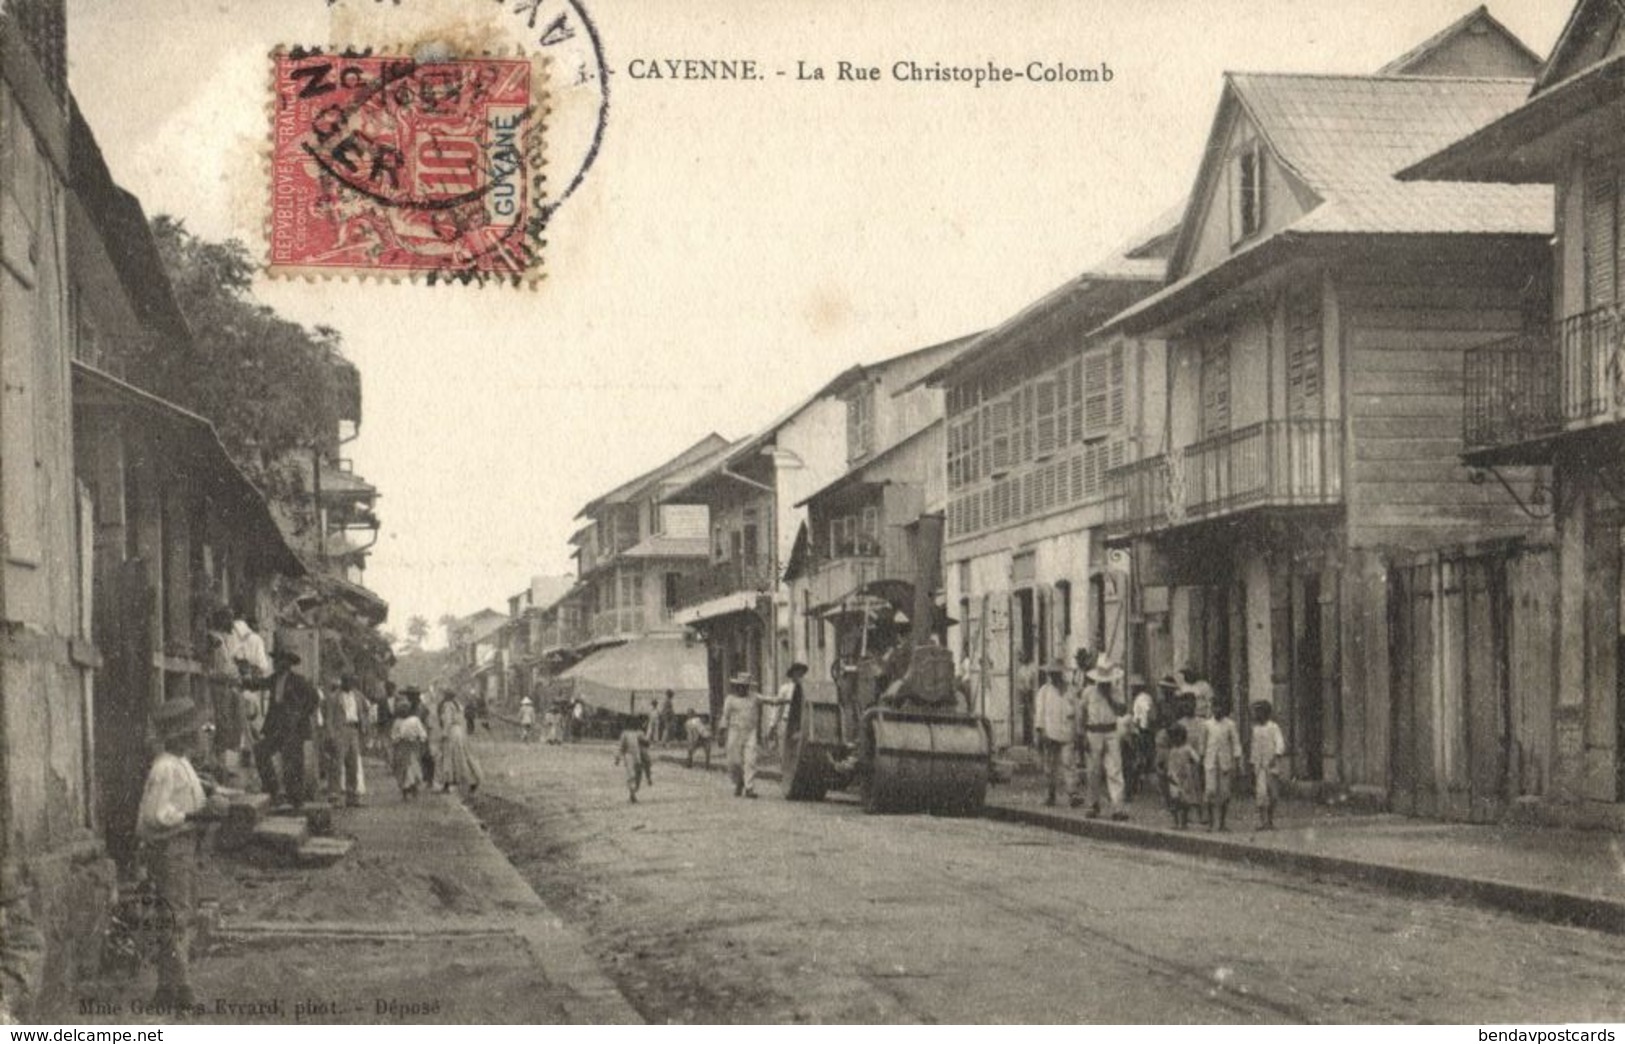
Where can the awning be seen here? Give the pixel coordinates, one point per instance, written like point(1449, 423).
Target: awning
point(738, 602)
point(644, 668)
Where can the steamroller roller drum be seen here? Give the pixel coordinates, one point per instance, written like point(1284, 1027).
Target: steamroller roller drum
point(926, 762)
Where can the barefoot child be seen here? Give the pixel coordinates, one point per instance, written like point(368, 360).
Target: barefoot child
point(1269, 747)
point(1221, 756)
point(1183, 771)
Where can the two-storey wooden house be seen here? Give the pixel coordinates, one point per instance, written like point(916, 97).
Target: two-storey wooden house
point(1301, 525)
point(1551, 397)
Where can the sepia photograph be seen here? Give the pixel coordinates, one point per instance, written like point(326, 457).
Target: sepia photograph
point(1102, 512)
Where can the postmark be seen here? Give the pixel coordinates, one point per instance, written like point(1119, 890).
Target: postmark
point(400, 166)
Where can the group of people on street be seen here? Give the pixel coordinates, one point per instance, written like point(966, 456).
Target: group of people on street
point(1097, 746)
point(1199, 754)
point(429, 742)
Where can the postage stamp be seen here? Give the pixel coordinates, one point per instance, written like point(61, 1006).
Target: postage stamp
point(395, 167)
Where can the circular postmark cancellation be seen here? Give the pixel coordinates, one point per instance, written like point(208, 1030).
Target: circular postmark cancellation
point(394, 165)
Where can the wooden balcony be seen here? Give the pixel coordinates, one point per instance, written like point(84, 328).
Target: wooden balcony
point(615, 624)
point(1525, 392)
point(730, 576)
point(829, 580)
point(1272, 464)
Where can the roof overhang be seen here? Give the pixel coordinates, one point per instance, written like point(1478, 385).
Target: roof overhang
point(1194, 299)
point(1528, 144)
point(207, 464)
point(727, 605)
point(1088, 300)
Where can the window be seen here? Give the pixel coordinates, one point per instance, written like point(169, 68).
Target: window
point(670, 599)
point(869, 532)
point(860, 422)
point(843, 537)
point(1044, 418)
point(1000, 452)
point(1601, 239)
point(1247, 192)
point(719, 543)
point(1303, 352)
point(1215, 389)
point(1103, 396)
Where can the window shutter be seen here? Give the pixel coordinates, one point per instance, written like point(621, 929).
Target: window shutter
point(1044, 408)
point(1215, 389)
point(1115, 408)
point(999, 437)
point(1303, 352)
point(1601, 232)
point(1096, 395)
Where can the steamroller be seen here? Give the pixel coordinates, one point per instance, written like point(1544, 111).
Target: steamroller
point(900, 730)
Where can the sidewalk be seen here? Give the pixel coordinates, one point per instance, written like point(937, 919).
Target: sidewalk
point(423, 921)
point(1565, 876)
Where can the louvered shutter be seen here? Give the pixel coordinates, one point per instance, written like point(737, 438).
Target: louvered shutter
point(1303, 353)
point(1096, 395)
point(1114, 410)
point(1215, 389)
point(1601, 235)
point(1044, 396)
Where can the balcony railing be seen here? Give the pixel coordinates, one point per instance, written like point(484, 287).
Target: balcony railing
point(831, 579)
point(729, 576)
point(1283, 463)
point(1511, 389)
point(1528, 388)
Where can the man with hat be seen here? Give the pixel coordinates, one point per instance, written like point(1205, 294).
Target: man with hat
point(742, 718)
point(1055, 715)
point(291, 700)
point(1102, 710)
point(171, 803)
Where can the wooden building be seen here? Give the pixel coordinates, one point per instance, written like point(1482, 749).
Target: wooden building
point(1551, 397)
point(1036, 413)
point(1302, 527)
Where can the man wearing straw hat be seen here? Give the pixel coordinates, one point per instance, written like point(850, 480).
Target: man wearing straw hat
point(1102, 709)
point(742, 717)
point(172, 802)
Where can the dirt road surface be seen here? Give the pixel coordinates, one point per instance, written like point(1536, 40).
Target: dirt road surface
point(703, 907)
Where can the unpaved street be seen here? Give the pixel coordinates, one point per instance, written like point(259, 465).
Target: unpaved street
point(703, 907)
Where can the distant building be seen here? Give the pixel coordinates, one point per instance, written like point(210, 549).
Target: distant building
point(755, 620)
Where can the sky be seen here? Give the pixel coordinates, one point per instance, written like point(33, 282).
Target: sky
point(733, 245)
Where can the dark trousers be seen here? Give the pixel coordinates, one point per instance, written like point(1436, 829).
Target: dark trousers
point(290, 752)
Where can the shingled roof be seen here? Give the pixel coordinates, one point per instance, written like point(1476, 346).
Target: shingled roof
point(1343, 139)
point(1346, 137)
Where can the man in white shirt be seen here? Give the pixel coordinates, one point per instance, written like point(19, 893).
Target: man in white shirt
point(344, 715)
point(1054, 719)
point(171, 803)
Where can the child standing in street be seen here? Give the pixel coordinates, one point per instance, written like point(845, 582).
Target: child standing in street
point(1196, 732)
point(633, 752)
point(1269, 747)
point(1221, 756)
point(1183, 771)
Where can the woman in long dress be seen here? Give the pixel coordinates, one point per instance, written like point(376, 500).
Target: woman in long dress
point(456, 766)
point(407, 739)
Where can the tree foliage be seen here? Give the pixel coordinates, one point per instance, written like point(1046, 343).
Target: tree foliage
point(270, 386)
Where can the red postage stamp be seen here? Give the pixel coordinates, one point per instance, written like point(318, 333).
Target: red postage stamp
point(391, 167)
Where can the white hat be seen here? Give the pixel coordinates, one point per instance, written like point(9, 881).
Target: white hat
point(1105, 670)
